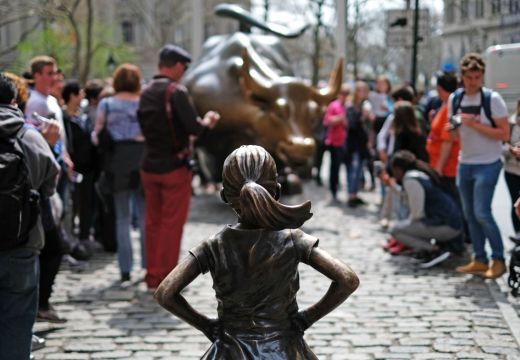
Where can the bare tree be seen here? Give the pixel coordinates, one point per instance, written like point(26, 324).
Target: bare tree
point(266, 10)
point(12, 12)
point(89, 50)
point(359, 23)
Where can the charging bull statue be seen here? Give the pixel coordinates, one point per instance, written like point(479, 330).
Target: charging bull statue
point(247, 78)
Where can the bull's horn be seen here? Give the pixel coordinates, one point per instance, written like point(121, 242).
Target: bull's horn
point(249, 83)
point(326, 95)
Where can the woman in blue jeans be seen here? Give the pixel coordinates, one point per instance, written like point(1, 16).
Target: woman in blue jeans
point(480, 162)
point(121, 164)
point(359, 117)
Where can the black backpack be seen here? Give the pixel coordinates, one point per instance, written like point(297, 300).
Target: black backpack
point(19, 206)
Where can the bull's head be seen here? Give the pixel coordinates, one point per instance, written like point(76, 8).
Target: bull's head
point(288, 109)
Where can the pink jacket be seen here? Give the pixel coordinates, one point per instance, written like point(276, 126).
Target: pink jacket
point(337, 133)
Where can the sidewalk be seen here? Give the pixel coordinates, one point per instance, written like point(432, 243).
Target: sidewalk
point(399, 311)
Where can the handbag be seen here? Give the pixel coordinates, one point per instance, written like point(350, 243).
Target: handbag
point(106, 142)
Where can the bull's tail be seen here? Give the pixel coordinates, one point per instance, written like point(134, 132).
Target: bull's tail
point(247, 21)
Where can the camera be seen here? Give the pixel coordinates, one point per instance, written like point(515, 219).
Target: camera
point(455, 121)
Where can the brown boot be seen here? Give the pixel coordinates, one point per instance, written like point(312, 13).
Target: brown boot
point(497, 269)
point(474, 267)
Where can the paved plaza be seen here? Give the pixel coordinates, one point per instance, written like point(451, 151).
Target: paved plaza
point(398, 312)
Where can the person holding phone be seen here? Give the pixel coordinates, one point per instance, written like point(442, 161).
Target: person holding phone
point(479, 117)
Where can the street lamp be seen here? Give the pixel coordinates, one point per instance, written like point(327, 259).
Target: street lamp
point(111, 63)
point(415, 42)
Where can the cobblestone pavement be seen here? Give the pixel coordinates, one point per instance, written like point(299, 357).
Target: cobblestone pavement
point(399, 311)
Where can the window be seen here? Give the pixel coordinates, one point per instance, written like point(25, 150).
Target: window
point(496, 7)
point(450, 14)
point(209, 30)
point(479, 8)
point(179, 35)
point(514, 6)
point(464, 9)
point(127, 29)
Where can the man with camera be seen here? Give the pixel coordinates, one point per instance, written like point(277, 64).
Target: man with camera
point(479, 117)
point(168, 120)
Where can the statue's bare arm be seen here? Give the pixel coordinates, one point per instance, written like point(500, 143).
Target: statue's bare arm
point(344, 283)
point(168, 295)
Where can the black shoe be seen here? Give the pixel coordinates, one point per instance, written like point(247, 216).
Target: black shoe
point(81, 252)
point(50, 315)
point(352, 203)
point(37, 343)
point(125, 277)
point(355, 202)
point(360, 201)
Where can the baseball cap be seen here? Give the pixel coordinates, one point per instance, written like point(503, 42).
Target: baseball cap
point(173, 53)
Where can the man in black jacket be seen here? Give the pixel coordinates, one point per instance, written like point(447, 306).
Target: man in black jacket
point(168, 119)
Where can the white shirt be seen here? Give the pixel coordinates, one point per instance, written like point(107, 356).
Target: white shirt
point(385, 137)
point(476, 148)
point(46, 106)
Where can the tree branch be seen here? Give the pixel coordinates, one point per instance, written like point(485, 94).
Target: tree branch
point(22, 37)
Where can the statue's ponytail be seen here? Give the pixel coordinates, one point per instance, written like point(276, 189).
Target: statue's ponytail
point(259, 208)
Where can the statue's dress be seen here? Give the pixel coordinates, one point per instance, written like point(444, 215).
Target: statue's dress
point(255, 277)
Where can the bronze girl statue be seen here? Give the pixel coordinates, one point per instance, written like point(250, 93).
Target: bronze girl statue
point(254, 266)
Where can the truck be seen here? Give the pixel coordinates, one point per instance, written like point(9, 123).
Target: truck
point(503, 72)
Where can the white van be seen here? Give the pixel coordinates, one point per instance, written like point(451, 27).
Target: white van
point(503, 72)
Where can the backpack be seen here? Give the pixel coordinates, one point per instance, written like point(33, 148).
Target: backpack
point(19, 203)
point(514, 272)
point(485, 102)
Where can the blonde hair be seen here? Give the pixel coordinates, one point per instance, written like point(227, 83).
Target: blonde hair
point(22, 91)
point(250, 187)
point(356, 99)
point(39, 62)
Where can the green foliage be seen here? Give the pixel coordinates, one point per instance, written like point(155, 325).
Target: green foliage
point(51, 41)
point(103, 48)
point(57, 40)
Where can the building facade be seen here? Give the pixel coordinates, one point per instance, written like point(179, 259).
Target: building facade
point(474, 25)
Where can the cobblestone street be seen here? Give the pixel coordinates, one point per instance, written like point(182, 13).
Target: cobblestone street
point(399, 311)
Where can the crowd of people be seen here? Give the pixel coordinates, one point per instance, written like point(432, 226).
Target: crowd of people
point(438, 157)
point(73, 180)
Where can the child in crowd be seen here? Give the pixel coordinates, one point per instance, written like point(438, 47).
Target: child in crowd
point(254, 266)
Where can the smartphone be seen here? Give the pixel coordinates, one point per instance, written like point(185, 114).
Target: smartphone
point(38, 120)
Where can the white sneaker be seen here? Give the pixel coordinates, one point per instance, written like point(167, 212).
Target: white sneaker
point(435, 260)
